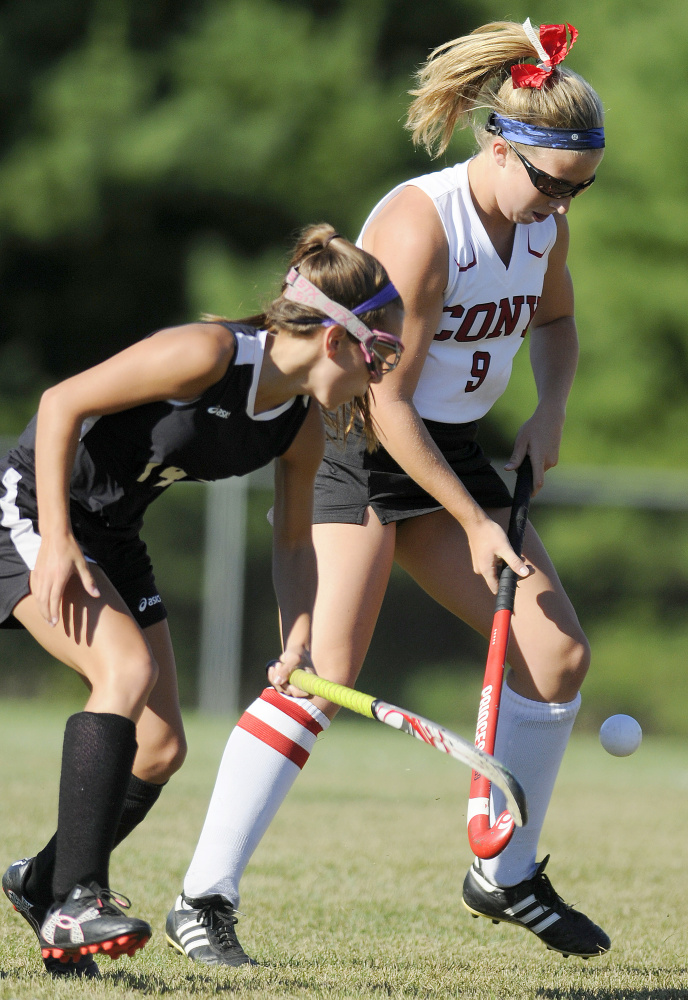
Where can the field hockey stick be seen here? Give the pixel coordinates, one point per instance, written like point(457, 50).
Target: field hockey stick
point(423, 729)
point(487, 841)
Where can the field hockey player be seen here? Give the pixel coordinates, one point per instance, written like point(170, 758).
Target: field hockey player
point(198, 402)
point(478, 251)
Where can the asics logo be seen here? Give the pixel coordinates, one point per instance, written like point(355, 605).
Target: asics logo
point(66, 923)
point(217, 411)
point(18, 902)
point(148, 602)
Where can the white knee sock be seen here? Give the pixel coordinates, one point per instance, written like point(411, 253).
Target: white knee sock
point(531, 740)
point(265, 752)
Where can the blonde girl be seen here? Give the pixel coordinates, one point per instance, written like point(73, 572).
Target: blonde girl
point(478, 251)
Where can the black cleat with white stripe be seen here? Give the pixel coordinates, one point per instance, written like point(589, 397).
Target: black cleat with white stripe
point(535, 905)
point(203, 930)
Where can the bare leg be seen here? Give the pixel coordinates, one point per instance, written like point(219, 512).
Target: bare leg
point(99, 639)
point(160, 730)
point(354, 563)
point(548, 654)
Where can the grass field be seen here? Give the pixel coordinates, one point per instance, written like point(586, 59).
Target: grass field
point(355, 891)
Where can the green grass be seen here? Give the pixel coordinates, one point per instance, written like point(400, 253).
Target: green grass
point(355, 890)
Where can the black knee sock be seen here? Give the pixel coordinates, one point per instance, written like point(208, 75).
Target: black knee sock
point(97, 757)
point(140, 798)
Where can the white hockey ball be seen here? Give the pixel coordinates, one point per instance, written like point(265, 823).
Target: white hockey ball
point(620, 735)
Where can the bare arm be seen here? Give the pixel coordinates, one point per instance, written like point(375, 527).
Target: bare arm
point(408, 238)
point(554, 358)
point(174, 364)
point(294, 568)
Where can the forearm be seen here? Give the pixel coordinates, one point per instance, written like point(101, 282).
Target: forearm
point(57, 438)
point(295, 579)
point(554, 356)
point(554, 359)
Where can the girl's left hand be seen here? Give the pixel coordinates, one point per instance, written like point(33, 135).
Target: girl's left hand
point(539, 437)
point(279, 671)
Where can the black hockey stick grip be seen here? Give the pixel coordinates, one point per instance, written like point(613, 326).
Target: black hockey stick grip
point(517, 529)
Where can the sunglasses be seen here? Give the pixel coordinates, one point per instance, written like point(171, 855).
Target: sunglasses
point(553, 187)
point(381, 350)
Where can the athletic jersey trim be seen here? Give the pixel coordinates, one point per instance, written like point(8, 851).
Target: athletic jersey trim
point(251, 350)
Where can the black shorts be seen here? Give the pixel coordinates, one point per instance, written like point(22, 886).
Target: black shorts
point(350, 479)
point(120, 552)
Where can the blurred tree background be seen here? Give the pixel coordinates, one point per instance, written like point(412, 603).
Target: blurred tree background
point(157, 158)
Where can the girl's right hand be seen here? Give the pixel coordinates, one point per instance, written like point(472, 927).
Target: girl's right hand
point(56, 563)
point(490, 548)
point(278, 671)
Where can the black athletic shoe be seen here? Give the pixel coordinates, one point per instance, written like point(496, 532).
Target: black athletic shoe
point(203, 930)
point(535, 905)
point(13, 882)
point(89, 922)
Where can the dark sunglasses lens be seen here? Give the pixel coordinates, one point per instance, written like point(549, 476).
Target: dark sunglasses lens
point(558, 189)
point(584, 186)
point(554, 190)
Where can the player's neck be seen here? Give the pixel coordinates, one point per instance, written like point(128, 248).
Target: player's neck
point(282, 373)
point(500, 230)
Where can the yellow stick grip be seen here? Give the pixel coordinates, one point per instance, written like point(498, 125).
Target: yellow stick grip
point(355, 701)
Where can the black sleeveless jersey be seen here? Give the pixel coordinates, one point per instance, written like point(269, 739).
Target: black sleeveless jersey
point(125, 460)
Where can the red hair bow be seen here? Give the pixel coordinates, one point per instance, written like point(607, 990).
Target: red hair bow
point(553, 41)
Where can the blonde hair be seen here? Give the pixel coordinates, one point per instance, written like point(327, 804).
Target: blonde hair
point(472, 74)
point(348, 275)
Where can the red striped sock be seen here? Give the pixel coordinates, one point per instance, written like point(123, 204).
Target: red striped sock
point(267, 748)
point(283, 724)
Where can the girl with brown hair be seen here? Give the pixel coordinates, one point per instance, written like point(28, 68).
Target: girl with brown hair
point(198, 402)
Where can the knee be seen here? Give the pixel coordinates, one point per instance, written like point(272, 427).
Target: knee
point(574, 664)
point(165, 759)
point(123, 683)
point(173, 756)
point(139, 677)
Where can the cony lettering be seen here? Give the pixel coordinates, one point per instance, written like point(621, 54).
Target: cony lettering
point(488, 320)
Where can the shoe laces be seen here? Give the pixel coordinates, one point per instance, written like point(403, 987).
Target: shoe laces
point(220, 918)
point(546, 891)
point(107, 897)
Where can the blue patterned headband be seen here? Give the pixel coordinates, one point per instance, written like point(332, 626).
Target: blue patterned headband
point(553, 138)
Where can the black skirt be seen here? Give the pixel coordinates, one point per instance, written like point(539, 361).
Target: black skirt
point(350, 479)
point(120, 552)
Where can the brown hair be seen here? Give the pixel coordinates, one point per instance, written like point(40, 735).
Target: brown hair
point(473, 74)
point(348, 275)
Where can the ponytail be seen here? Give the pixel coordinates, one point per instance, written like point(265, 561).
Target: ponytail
point(472, 74)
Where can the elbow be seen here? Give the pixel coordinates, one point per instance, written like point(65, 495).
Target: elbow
point(56, 408)
point(52, 402)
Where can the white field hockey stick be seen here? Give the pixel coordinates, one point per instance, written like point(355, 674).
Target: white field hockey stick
point(423, 729)
point(488, 841)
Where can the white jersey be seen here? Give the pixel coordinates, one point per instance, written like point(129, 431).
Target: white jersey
point(487, 305)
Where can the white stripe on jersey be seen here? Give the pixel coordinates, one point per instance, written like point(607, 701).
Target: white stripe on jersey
point(250, 351)
point(26, 541)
